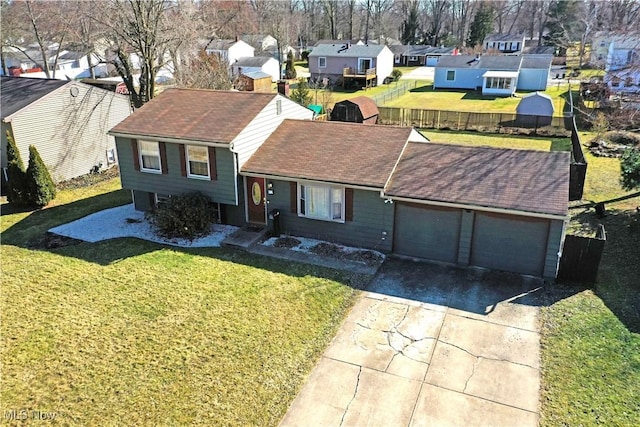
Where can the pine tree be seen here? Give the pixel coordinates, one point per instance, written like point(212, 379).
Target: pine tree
point(301, 93)
point(16, 185)
point(410, 25)
point(481, 26)
point(41, 187)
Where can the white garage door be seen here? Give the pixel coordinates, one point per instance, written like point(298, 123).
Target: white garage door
point(431, 61)
point(509, 243)
point(427, 232)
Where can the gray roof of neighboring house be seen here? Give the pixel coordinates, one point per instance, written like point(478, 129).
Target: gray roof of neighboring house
point(216, 44)
point(498, 37)
point(457, 61)
point(252, 61)
point(353, 51)
point(399, 49)
point(419, 50)
point(18, 92)
point(536, 61)
point(539, 50)
point(257, 75)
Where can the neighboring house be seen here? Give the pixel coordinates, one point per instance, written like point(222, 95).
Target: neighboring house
point(601, 43)
point(229, 50)
point(535, 108)
point(360, 109)
point(261, 42)
point(197, 140)
point(255, 81)
point(622, 72)
point(265, 64)
point(419, 55)
point(362, 63)
point(493, 74)
point(73, 65)
point(399, 53)
point(504, 43)
point(66, 121)
point(391, 190)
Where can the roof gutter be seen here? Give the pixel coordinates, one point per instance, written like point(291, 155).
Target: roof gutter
point(299, 179)
point(168, 139)
point(475, 207)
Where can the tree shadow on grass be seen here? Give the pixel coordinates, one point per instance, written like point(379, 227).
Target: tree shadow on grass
point(31, 232)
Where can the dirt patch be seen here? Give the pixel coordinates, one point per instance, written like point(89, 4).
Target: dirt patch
point(335, 251)
point(53, 241)
point(286, 243)
point(89, 179)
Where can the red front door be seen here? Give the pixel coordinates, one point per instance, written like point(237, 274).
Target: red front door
point(256, 198)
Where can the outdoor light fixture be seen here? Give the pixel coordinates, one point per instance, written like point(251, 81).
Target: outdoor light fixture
point(270, 188)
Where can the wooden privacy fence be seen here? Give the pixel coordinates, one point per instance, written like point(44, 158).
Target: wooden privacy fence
point(578, 167)
point(466, 120)
point(581, 257)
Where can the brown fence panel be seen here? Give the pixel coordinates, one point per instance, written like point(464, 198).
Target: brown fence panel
point(581, 257)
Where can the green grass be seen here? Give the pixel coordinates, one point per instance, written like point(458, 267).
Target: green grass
point(451, 100)
point(127, 331)
point(591, 333)
point(497, 140)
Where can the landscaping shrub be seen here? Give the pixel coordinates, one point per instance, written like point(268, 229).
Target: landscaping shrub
point(41, 189)
point(396, 74)
point(17, 178)
point(290, 70)
point(305, 56)
point(185, 216)
point(630, 169)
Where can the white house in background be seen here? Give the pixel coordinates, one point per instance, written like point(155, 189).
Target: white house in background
point(265, 64)
point(261, 42)
point(504, 43)
point(230, 50)
point(622, 72)
point(67, 121)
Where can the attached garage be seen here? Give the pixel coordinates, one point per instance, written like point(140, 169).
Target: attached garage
point(510, 243)
point(495, 208)
point(430, 232)
point(432, 61)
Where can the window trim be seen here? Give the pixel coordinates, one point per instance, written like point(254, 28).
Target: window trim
point(301, 198)
point(206, 177)
point(446, 77)
point(140, 154)
point(322, 62)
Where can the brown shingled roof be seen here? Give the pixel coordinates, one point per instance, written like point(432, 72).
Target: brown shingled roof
point(196, 115)
point(368, 106)
point(529, 181)
point(348, 153)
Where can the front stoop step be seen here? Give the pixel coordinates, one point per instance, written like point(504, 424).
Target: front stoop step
point(245, 237)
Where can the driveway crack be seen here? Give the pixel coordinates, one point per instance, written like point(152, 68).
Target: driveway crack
point(352, 398)
point(489, 358)
point(473, 371)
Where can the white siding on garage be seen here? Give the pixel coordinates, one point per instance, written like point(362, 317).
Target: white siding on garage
point(70, 132)
point(510, 243)
point(263, 125)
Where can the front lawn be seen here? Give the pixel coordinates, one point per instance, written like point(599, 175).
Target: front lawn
point(126, 331)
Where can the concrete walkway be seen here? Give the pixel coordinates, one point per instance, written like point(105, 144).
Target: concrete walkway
point(464, 352)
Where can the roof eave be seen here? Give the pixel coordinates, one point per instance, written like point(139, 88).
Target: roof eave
point(168, 139)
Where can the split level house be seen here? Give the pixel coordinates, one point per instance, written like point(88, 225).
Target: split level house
point(493, 74)
point(504, 43)
point(67, 121)
point(378, 187)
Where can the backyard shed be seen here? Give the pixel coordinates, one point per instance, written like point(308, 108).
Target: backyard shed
point(255, 81)
point(535, 107)
point(360, 109)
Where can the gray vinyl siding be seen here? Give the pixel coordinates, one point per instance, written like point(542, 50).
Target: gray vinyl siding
point(554, 245)
point(235, 215)
point(533, 79)
point(263, 125)
point(221, 190)
point(371, 218)
point(464, 79)
point(70, 132)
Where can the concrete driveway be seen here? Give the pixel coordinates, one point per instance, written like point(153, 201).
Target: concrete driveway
point(428, 344)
